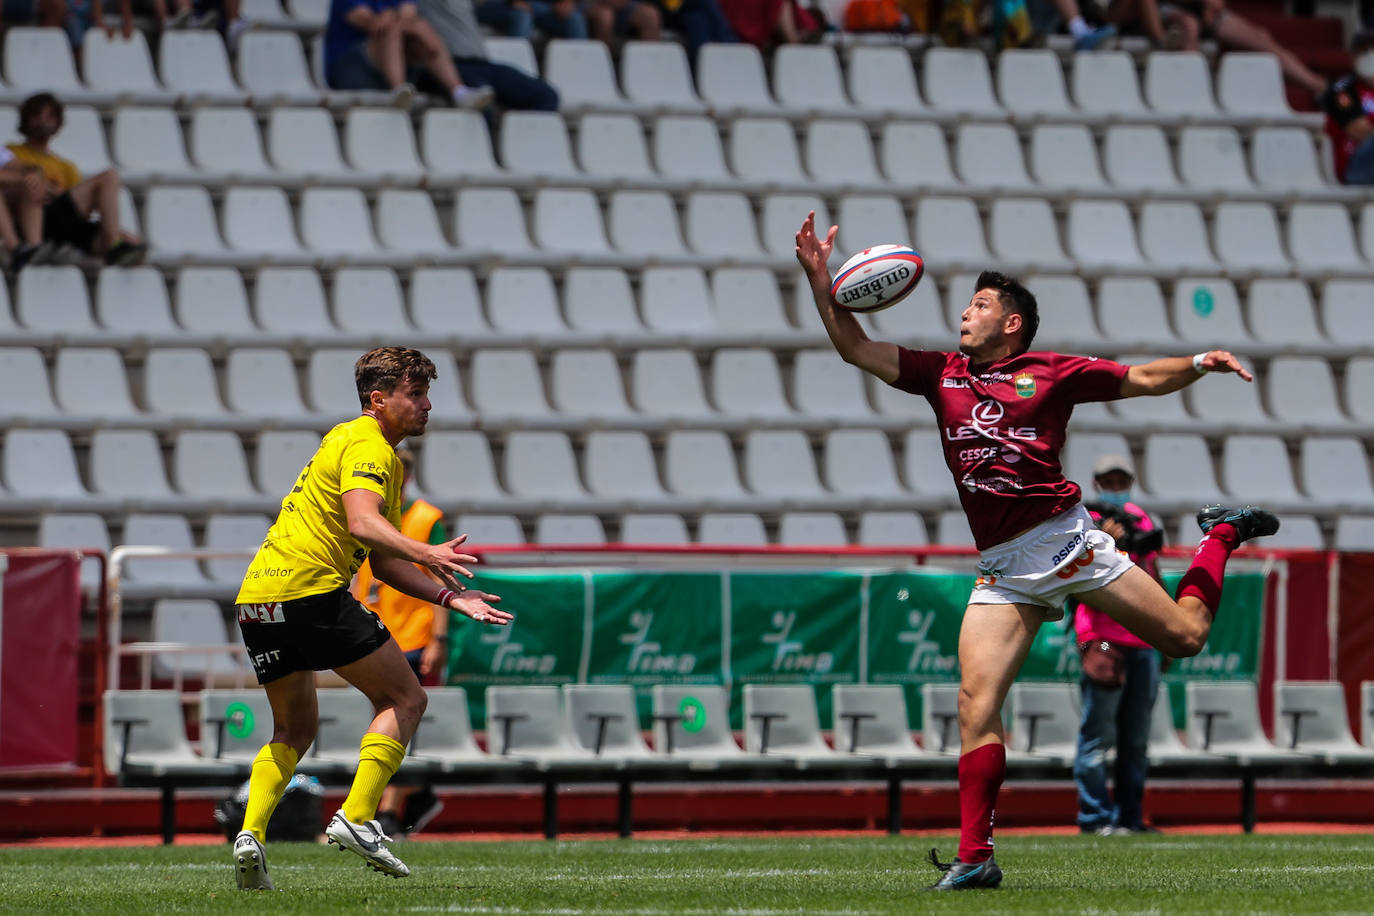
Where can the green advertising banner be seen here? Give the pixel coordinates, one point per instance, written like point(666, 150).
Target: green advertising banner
point(818, 627)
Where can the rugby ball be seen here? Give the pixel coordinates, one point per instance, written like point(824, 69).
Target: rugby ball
point(877, 278)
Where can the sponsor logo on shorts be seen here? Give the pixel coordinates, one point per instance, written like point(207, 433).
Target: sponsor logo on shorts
point(1077, 564)
point(263, 659)
point(261, 613)
point(1067, 550)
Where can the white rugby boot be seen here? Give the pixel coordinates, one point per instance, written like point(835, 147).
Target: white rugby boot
point(367, 841)
point(250, 864)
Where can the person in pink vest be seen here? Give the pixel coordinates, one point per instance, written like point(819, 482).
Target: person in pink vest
point(1120, 670)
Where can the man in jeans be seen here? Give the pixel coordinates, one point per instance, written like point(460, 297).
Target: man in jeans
point(456, 23)
point(1120, 671)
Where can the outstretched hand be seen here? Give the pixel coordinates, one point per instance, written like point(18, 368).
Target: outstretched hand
point(813, 254)
point(478, 606)
point(446, 562)
point(1223, 361)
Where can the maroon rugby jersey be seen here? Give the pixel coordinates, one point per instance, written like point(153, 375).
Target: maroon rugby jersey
point(1002, 430)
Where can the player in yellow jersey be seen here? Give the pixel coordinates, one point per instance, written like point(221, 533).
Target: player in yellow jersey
point(298, 616)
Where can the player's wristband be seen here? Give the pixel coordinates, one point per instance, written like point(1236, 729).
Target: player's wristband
point(445, 596)
point(1198, 366)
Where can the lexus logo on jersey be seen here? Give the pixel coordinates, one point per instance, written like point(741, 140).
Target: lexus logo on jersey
point(986, 413)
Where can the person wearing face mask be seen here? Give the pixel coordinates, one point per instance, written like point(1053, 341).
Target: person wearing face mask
point(1120, 671)
point(1349, 107)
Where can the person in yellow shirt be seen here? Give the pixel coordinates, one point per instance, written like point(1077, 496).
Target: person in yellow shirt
point(297, 615)
point(421, 630)
point(72, 200)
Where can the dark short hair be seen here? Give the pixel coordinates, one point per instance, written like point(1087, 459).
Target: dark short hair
point(1014, 298)
point(36, 104)
point(384, 368)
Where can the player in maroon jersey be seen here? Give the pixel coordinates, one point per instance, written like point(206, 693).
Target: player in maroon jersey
point(1003, 412)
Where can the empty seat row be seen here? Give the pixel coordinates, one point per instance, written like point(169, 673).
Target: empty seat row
point(378, 145)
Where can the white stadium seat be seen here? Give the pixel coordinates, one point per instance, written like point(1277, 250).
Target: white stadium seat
point(807, 77)
point(1105, 83)
point(656, 73)
point(1030, 82)
point(957, 80)
point(1179, 83)
point(881, 79)
point(731, 78)
point(541, 465)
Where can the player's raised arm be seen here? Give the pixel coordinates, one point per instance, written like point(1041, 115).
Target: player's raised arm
point(367, 525)
point(1163, 376)
point(873, 356)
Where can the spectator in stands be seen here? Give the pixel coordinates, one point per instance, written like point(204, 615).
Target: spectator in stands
point(72, 201)
point(1349, 107)
point(698, 22)
point(421, 630)
point(518, 18)
point(1085, 37)
point(49, 14)
point(610, 20)
point(1120, 671)
point(1211, 18)
point(79, 16)
point(455, 22)
point(368, 43)
point(767, 23)
point(25, 190)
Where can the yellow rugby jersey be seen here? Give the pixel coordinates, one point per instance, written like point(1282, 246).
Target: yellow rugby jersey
point(308, 550)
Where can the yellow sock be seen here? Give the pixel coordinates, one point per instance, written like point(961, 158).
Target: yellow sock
point(377, 763)
point(272, 770)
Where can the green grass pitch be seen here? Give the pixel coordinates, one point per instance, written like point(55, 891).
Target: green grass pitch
point(825, 876)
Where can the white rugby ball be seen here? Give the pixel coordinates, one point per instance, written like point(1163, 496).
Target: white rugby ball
point(877, 278)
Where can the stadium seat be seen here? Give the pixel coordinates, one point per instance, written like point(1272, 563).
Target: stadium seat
point(522, 300)
point(181, 225)
point(1367, 713)
point(444, 740)
point(952, 529)
point(656, 74)
point(621, 465)
point(949, 232)
point(1173, 235)
point(645, 224)
point(180, 382)
point(212, 300)
point(344, 715)
point(1105, 83)
point(1212, 160)
point(599, 300)
point(1251, 84)
point(280, 457)
point(957, 80)
point(612, 147)
point(41, 464)
point(1247, 238)
point(487, 529)
point(289, 302)
point(939, 710)
point(1343, 311)
point(676, 300)
point(408, 225)
point(507, 384)
point(1224, 404)
point(1137, 157)
point(587, 383)
point(1044, 722)
point(1322, 239)
point(271, 66)
point(259, 221)
point(197, 622)
point(1070, 323)
point(161, 530)
point(1030, 83)
point(688, 147)
point(667, 384)
point(603, 719)
point(491, 220)
point(780, 221)
point(1178, 468)
point(23, 369)
point(261, 382)
point(82, 140)
point(195, 66)
point(921, 315)
point(127, 464)
point(923, 464)
point(1081, 449)
point(823, 385)
point(1310, 717)
point(764, 151)
point(336, 222)
point(720, 225)
point(1179, 83)
point(1148, 412)
point(892, 529)
point(1131, 310)
point(379, 141)
point(567, 528)
point(210, 465)
point(692, 721)
point(534, 144)
point(1299, 532)
point(1023, 231)
point(87, 382)
point(871, 720)
point(700, 464)
point(147, 142)
point(40, 60)
point(1256, 470)
point(540, 465)
point(77, 529)
point(781, 720)
point(881, 81)
point(528, 722)
point(1064, 157)
point(513, 51)
point(747, 302)
point(1335, 470)
point(53, 301)
point(233, 531)
point(302, 142)
point(1207, 311)
point(806, 78)
point(1166, 748)
point(914, 154)
point(329, 384)
point(841, 151)
point(583, 74)
point(567, 221)
point(745, 382)
point(654, 528)
point(731, 79)
point(145, 737)
point(1102, 238)
point(779, 464)
point(734, 529)
point(1301, 390)
point(1284, 160)
point(442, 452)
point(1281, 313)
point(456, 147)
point(1223, 719)
point(1355, 532)
point(989, 156)
point(133, 300)
point(811, 529)
point(366, 298)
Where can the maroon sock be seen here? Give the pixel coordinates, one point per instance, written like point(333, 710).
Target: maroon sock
point(980, 778)
point(1203, 578)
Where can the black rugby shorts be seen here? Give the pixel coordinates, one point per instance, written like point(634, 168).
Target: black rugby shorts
point(313, 633)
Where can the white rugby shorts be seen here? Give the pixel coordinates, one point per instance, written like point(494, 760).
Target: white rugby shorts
point(1059, 557)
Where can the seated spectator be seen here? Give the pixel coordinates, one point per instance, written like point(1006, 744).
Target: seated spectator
point(71, 201)
point(698, 22)
point(613, 19)
point(23, 189)
point(1235, 32)
point(518, 18)
point(367, 44)
point(1349, 107)
point(80, 16)
point(49, 14)
point(455, 22)
point(768, 23)
point(1085, 37)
